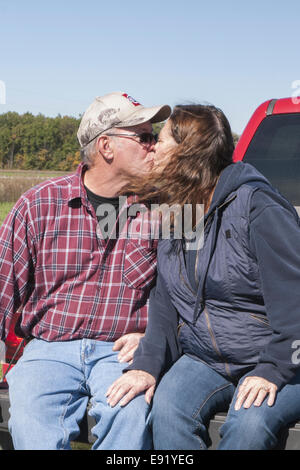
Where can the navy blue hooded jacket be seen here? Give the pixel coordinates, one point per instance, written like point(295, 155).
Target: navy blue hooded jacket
point(234, 303)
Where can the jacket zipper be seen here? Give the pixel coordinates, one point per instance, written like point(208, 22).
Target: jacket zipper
point(262, 320)
point(208, 218)
point(197, 256)
point(179, 327)
point(186, 285)
point(214, 342)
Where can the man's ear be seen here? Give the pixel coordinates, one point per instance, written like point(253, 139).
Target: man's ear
point(105, 148)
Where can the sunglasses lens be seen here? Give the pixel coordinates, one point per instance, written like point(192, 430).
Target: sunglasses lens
point(147, 138)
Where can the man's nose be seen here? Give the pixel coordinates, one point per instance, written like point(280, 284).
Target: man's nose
point(152, 146)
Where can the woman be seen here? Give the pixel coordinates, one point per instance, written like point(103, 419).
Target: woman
point(235, 300)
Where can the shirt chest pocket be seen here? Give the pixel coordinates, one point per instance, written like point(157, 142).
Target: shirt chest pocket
point(139, 265)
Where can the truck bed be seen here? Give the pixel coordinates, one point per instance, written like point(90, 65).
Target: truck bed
point(289, 439)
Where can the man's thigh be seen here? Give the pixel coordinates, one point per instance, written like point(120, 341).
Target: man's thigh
point(102, 368)
point(116, 427)
point(47, 396)
point(105, 368)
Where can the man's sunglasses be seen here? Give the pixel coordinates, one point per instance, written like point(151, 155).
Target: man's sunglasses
point(143, 138)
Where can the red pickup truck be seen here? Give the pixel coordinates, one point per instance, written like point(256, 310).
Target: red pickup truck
point(270, 142)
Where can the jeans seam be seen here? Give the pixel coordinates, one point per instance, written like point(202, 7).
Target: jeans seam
point(62, 417)
point(196, 413)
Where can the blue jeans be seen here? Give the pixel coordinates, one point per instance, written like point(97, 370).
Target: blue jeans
point(191, 393)
point(50, 388)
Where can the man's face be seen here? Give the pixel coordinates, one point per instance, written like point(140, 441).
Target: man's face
point(131, 157)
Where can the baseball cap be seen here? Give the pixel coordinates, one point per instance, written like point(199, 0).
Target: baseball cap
point(116, 109)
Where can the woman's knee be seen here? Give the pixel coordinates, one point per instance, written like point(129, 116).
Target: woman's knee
point(248, 429)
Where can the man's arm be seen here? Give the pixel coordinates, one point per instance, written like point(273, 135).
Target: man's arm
point(17, 262)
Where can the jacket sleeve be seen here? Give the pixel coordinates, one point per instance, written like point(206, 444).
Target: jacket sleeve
point(159, 348)
point(17, 259)
point(275, 242)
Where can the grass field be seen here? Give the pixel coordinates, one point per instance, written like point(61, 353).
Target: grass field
point(43, 174)
point(13, 183)
point(5, 207)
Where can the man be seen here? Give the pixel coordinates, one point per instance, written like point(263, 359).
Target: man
point(82, 289)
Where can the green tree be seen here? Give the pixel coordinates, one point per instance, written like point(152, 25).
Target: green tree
point(38, 142)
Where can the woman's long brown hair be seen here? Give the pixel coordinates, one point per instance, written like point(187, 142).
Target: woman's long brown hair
point(205, 148)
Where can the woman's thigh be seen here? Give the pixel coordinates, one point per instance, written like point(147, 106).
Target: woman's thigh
point(187, 397)
point(196, 386)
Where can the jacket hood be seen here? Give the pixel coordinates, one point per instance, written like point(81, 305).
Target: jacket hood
point(231, 178)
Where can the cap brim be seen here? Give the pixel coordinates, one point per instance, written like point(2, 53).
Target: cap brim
point(141, 115)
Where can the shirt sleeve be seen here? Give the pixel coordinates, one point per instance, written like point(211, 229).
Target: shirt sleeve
point(159, 348)
point(275, 242)
point(17, 255)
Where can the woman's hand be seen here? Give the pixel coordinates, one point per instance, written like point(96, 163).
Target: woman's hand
point(127, 346)
point(129, 385)
point(254, 390)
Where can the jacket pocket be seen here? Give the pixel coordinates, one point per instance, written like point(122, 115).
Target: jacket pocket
point(139, 265)
point(259, 331)
point(260, 318)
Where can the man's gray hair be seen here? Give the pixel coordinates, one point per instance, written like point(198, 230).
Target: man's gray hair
point(87, 153)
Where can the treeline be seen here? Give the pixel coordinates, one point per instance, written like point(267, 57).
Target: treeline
point(38, 142)
point(43, 143)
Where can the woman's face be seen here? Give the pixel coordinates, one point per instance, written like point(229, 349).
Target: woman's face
point(164, 146)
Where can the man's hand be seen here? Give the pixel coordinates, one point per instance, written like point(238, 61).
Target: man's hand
point(254, 390)
point(127, 346)
point(129, 385)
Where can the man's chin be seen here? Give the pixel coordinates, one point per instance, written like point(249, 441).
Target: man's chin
point(151, 165)
point(148, 166)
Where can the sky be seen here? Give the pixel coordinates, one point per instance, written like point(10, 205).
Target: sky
point(57, 56)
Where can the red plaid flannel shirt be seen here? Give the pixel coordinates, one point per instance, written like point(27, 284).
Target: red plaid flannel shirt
point(67, 281)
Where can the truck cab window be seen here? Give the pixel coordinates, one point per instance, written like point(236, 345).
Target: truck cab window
point(275, 152)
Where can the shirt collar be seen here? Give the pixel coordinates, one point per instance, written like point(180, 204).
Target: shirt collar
point(78, 190)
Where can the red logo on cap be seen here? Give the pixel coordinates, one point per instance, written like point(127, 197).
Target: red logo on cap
point(132, 100)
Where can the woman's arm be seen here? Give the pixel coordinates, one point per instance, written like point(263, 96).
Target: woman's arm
point(159, 348)
point(157, 351)
point(275, 242)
